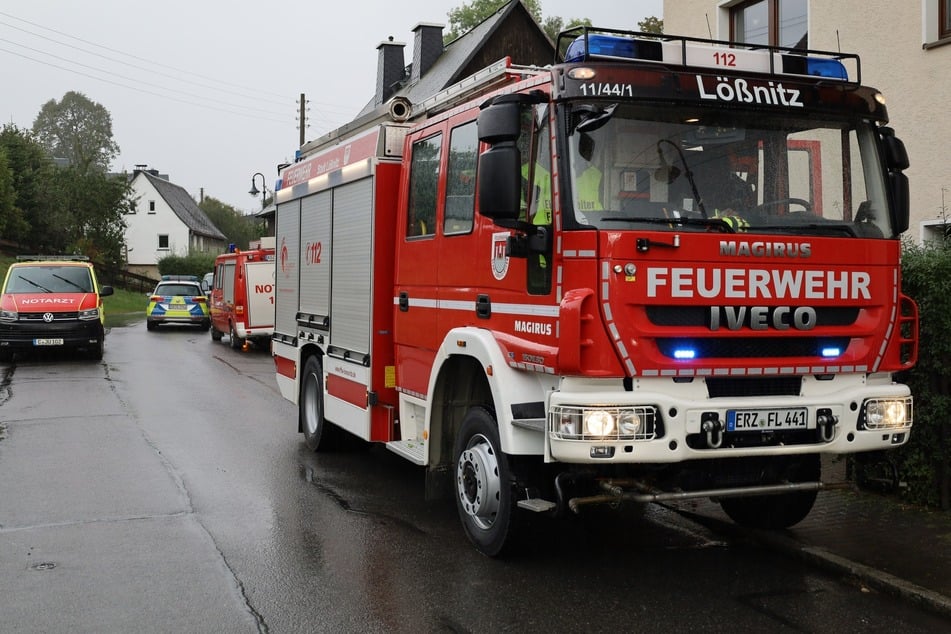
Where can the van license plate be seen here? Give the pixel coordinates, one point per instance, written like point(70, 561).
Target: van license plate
point(766, 419)
point(47, 342)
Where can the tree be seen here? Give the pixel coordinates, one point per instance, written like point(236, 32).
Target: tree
point(7, 194)
point(553, 25)
point(96, 204)
point(466, 16)
point(238, 228)
point(35, 217)
point(651, 24)
point(77, 129)
point(59, 210)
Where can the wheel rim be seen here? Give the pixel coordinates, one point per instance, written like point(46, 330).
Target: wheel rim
point(477, 481)
point(311, 404)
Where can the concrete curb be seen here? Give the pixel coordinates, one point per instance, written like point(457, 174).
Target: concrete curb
point(878, 580)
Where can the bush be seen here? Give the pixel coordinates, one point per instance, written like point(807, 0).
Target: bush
point(196, 264)
point(924, 464)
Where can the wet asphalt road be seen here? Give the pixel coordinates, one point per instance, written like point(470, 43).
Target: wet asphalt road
point(166, 489)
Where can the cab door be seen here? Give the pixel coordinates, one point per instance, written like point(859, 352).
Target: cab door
point(422, 193)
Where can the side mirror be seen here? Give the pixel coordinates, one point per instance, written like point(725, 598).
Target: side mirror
point(106, 291)
point(896, 157)
point(901, 205)
point(500, 182)
point(500, 123)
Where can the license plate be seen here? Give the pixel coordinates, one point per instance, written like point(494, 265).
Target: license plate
point(47, 342)
point(766, 419)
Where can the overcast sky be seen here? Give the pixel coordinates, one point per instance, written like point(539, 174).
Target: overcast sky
point(207, 91)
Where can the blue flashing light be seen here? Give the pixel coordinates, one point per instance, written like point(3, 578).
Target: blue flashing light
point(613, 46)
point(685, 353)
point(829, 353)
point(832, 68)
point(815, 66)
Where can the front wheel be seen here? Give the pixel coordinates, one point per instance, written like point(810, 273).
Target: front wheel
point(485, 495)
point(777, 511)
point(319, 434)
point(216, 334)
point(236, 341)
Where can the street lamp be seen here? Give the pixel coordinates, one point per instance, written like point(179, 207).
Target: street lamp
point(254, 191)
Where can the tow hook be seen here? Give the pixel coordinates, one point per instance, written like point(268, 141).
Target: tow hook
point(711, 424)
point(825, 423)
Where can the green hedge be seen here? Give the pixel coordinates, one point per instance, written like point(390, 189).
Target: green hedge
point(923, 466)
point(196, 264)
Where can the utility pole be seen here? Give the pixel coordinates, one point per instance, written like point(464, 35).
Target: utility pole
point(303, 117)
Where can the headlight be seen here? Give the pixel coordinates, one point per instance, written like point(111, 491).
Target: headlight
point(598, 422)
point(578, 422)
point(883, 413)
point(92, 313)
point(8, 315)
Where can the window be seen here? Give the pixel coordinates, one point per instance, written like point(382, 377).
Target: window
point(773, 22)
point(151, 206)
point(461, 179)
point(944, 19)
point(423, 182)
point(163, 241)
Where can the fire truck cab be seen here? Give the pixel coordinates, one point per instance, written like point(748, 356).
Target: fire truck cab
point(661, 268)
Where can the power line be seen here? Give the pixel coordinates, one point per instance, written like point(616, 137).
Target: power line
point(124, 77)
point(136, 57)
point(142, 90)
point(241, 92)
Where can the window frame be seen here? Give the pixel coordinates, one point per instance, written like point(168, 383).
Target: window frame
point(166, 247)
point(772, 20)
point(944, 19)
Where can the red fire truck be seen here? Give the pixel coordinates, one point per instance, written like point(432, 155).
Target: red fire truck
point(662, 268)
point(242, 295)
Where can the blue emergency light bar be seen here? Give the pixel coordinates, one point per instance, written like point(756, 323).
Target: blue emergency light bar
point(684, 51)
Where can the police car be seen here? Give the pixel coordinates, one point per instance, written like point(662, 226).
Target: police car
point(178, 299)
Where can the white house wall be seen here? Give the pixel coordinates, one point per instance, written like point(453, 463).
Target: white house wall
point(889, 37)
point(144, 227)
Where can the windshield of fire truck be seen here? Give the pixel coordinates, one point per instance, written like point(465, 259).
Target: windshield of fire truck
point(633, 166)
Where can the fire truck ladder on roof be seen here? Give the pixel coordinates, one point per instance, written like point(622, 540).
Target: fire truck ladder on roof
point(478, 83)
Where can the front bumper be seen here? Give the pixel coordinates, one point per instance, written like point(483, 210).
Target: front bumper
point(682, 415)
point(72, 334)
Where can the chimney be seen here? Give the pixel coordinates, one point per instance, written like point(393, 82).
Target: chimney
point(389, 70)
point(427, 47)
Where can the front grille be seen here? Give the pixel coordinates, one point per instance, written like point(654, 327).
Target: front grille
point(754, 386)
point(67, 316)
point(750, 347)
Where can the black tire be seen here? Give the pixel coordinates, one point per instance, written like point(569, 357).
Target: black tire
point(319, 434)
point(777, 511)
point(216, 334)
point(94, 352)
point(236, 341)
point(206, 326)
point(6, 355)
point(484, 486)
point(149, 325)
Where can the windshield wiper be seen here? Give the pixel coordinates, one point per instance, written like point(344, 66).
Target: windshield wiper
point(32, 283)
point(71, 283)
point(713, 223)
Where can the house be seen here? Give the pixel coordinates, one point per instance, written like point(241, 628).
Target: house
point(905, 49)
point(166, 220)
point(509, 32)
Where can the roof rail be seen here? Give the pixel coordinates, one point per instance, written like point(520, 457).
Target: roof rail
point(53, 258)
point(582, 44)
